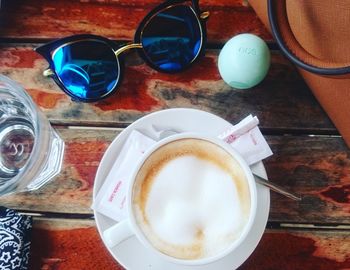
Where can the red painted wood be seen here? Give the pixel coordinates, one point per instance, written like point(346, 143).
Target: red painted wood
point(316, 167)
point(73, 249)
point(114, 19)
point(82, 248)
point(320, 168)
point(290, 250)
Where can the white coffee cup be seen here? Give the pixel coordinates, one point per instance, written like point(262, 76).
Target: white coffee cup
point(191, 211)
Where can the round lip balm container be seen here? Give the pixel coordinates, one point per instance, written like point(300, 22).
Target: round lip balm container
point(244, 61)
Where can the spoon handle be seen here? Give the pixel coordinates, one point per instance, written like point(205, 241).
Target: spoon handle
point(276, 188)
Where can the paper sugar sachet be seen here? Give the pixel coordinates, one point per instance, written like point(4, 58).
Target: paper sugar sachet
point(110, 199)
point(246, 138)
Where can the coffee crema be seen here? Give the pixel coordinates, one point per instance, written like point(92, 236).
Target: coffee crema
point(191, 199)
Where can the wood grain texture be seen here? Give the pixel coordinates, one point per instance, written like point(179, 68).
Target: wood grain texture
point(59, 244)
point(114, 19)
point(318, 168)
point(290, 250)
point(66, 244)
point(282, 101)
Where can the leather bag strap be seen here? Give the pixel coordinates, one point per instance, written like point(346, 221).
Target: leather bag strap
point(282, 32)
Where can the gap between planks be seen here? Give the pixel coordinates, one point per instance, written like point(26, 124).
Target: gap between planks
point(265, 131)
point(269, 225)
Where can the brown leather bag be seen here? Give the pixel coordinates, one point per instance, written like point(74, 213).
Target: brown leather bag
point(315, 35)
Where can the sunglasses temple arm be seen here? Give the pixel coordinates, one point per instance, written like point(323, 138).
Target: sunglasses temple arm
point(195, 4)
point(203, 15)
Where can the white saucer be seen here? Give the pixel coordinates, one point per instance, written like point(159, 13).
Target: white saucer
point(131, 254)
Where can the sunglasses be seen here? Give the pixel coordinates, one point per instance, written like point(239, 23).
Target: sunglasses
point(89, 67)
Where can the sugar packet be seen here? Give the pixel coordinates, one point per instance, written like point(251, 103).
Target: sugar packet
point(110, 199)
point(246, 138)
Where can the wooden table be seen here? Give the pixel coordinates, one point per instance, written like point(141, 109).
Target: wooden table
point(309, 156)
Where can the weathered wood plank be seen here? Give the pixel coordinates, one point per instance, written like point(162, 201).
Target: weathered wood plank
point(68, 244)
point(290, 250)
point(316, 167)
point(53, 19)
point(75, 244)
point(281, 101)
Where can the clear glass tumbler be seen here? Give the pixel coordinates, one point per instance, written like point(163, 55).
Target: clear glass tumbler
point(31, 152)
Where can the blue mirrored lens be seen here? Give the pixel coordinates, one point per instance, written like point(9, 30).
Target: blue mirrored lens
point(172, 38)
point(88, 69)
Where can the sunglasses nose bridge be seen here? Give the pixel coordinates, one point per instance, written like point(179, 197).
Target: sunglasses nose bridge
point(128, 47)
point(48, 72)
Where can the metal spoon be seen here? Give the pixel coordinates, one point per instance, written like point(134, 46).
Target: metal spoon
point(276, 188)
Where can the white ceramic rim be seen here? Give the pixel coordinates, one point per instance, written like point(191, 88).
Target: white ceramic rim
point(252, 188)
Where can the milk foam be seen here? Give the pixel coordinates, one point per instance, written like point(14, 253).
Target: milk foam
point(191, 206)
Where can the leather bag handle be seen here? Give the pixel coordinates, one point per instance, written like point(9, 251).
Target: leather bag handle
point(282, 32)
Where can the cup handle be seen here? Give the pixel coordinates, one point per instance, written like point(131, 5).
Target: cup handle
point(114, 235)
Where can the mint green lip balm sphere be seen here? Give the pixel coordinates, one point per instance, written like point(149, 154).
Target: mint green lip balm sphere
point(244, 61)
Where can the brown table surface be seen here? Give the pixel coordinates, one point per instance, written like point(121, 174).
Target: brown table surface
point(309, 156)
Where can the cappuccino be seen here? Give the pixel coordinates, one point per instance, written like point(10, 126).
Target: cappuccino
point(191, 199)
